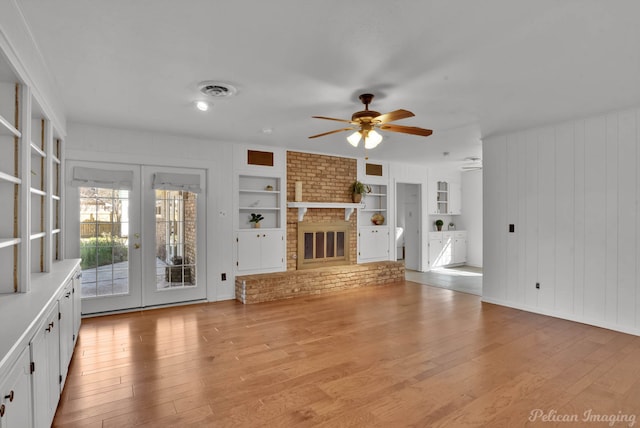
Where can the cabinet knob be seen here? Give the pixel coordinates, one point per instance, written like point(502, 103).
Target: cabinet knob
point(1, 410)
point(9, 396)
point(67, 295)
point(258, 235)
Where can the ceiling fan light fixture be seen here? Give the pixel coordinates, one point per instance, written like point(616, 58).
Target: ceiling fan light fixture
point(372, 140)
point(354, 138)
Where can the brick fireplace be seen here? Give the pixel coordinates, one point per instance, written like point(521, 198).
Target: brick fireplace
point(324, 179)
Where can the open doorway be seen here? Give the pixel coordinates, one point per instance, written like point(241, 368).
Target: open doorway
point(408, 217)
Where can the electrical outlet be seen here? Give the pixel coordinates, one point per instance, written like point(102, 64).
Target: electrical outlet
point(537, 285)
point(224, 276)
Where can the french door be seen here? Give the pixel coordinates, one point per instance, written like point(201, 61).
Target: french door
point(139, 235)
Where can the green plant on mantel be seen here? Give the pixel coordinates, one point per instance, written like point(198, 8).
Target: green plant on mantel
point(439, 223)
point(357, 188)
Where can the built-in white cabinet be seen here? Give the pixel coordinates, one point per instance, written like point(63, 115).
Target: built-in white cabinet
point(36, 350)
point(445, 197)
point(15, 394)
point(37, 316)
point(447, 248)
point(374, 231)
point(260, 189)
point(260, 250)
point(373, 243)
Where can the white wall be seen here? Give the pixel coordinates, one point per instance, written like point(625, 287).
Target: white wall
point(471, 216)
point(571, 191)
point(103, 144)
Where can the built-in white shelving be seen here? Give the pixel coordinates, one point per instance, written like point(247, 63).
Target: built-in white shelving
point(30, 174)
point(6, 128)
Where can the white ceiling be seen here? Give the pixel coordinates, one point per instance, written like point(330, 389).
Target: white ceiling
point(467, 69)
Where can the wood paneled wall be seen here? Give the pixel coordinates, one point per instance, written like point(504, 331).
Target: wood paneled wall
point(572, 192)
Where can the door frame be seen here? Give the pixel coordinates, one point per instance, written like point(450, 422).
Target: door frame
point(139, 297)
point(133, 298)
point(421, 217)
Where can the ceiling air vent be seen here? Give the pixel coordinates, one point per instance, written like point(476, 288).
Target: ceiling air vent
point(217, 89)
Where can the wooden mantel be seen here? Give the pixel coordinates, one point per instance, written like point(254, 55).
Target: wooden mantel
point(302, 207)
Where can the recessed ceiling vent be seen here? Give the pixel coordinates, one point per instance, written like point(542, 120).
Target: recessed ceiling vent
point(217, 89)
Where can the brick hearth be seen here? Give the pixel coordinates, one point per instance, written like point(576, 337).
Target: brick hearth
point(285, 285)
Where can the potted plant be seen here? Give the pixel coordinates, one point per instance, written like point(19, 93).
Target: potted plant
point(357, 189)
point(439, 224)
point(452, 226)
point(255, 219)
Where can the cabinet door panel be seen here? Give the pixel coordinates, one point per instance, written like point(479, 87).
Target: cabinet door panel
point(15, 394)
point(460, 250)
point(271, 249)
point(249, 251)
point(455, 198)
point(77, 305)
point(45, 355)
point(435, 253)
point(65, 305)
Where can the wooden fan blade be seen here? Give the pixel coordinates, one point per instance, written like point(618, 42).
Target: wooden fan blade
point(331, 118)
point(407, 130)
point(394, 115)
point(331, 132)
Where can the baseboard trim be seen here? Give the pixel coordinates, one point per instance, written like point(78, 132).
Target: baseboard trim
point(565, 316)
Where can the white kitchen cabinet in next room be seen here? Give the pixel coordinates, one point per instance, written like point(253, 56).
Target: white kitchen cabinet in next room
point(447, 248)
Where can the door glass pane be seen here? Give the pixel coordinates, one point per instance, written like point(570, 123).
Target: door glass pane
point(104, 241)
point(175, 239)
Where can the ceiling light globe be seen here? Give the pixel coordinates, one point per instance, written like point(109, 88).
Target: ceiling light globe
point(372, 140)
point(354, 138)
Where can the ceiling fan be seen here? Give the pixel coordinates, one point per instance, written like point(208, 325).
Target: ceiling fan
point(365, 123)
point(475, 163)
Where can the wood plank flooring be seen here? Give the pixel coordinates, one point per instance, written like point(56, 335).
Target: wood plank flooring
point(392, 356)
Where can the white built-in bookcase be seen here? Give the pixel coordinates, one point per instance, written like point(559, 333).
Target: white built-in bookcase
point(30, 188)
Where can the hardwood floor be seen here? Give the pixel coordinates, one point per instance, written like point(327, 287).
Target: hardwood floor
point(399, 355)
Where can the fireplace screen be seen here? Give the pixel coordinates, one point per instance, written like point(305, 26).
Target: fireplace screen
point(323, 244)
